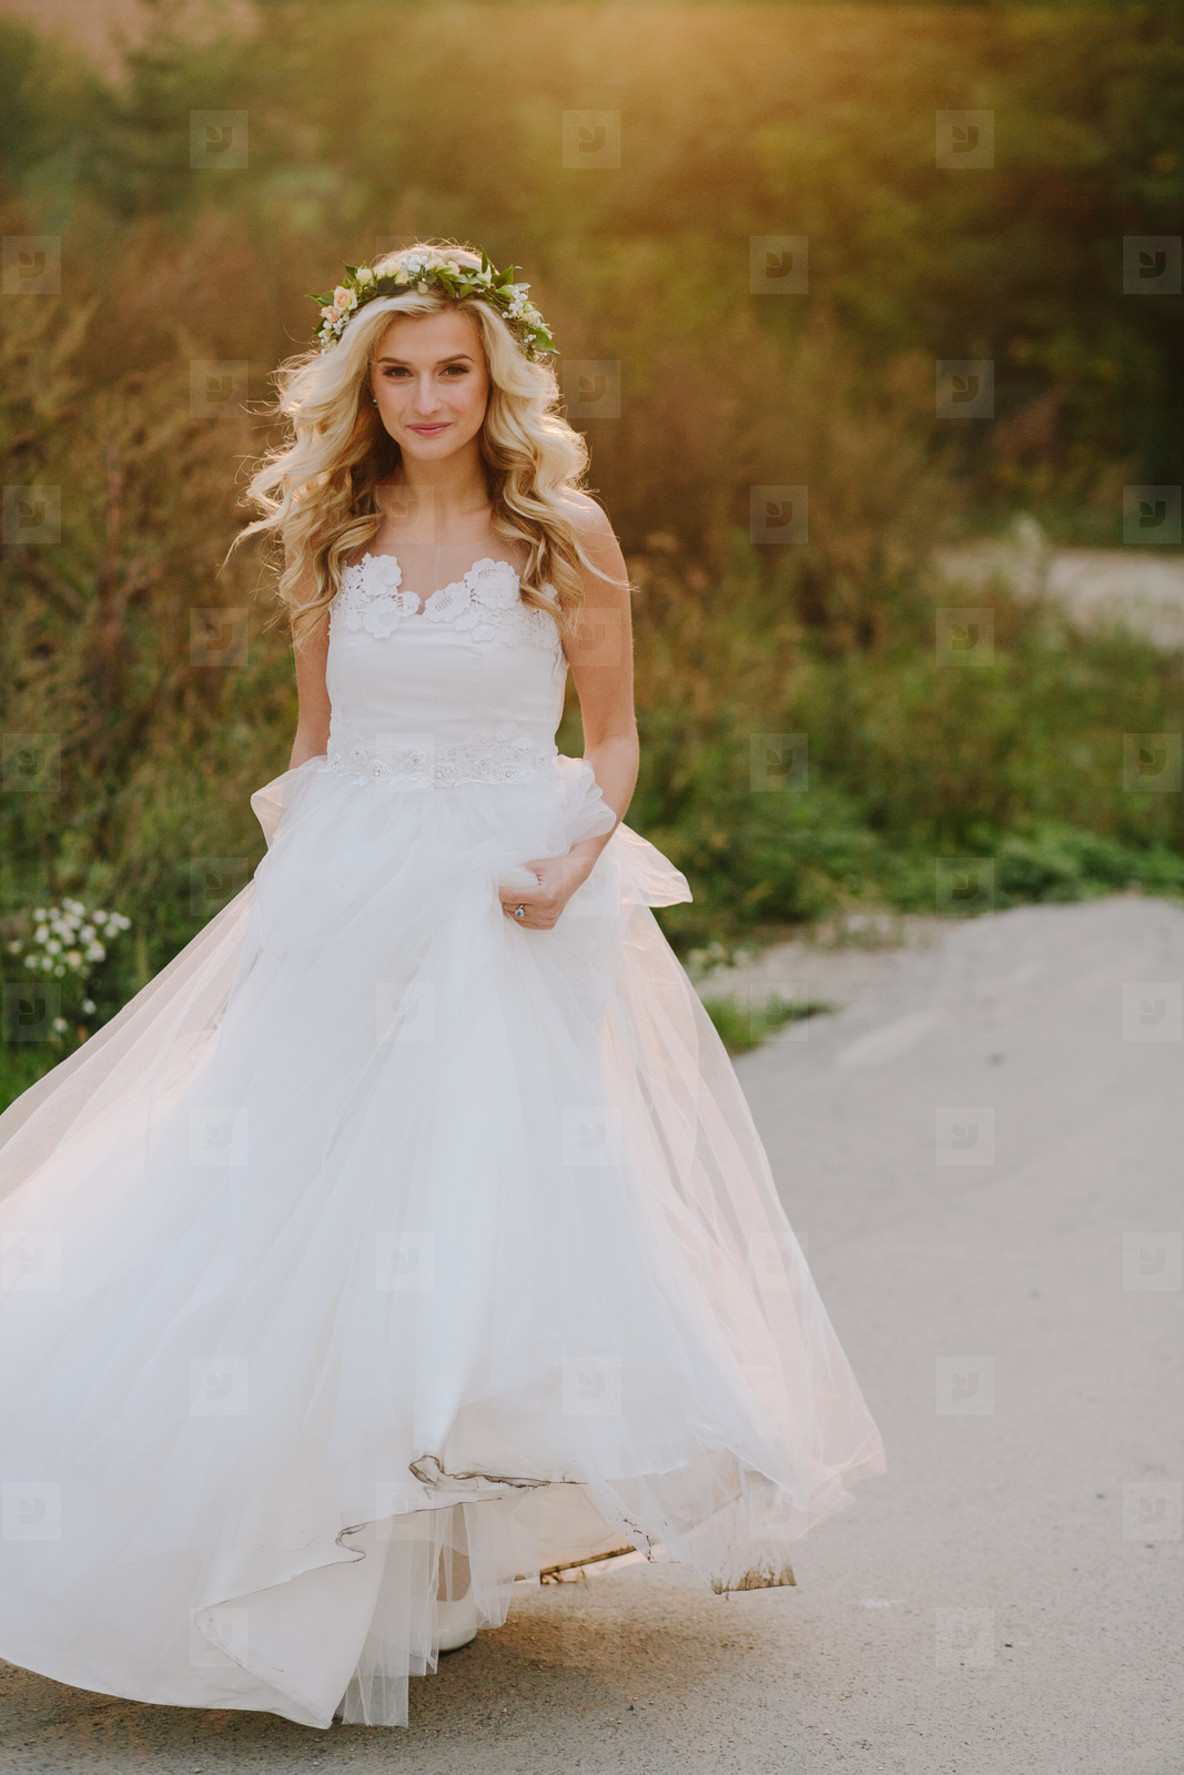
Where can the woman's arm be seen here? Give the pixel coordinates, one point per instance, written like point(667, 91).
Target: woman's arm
point(600, 655)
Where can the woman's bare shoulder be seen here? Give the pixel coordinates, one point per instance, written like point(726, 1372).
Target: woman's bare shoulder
point(586, 513)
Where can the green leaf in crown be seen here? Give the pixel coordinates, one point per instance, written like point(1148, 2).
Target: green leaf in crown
point(424, 271)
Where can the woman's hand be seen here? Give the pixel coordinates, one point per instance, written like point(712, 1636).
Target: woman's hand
point(558, 879)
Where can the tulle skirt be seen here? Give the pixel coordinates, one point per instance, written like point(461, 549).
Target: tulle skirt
point(378, 1237)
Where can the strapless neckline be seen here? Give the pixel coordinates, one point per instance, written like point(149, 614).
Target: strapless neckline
point(441, 594)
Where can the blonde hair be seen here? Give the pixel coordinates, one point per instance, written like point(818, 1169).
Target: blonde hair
point(317, 491)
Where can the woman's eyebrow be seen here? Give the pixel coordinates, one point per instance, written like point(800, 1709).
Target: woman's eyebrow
point(456, 357)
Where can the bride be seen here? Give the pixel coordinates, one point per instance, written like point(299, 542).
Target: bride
point(409, 1234)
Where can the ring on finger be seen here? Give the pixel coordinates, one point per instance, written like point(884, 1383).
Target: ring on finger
point(520, 912)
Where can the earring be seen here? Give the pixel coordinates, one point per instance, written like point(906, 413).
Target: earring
point(373, 400)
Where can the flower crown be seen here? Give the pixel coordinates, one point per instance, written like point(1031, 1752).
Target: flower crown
point(430, 271)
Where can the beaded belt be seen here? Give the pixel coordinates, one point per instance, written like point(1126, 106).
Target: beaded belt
point(504, 756)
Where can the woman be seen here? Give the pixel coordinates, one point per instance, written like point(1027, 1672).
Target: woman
point(409, 1233)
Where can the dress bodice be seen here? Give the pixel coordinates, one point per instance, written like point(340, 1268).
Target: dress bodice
point(468, 688)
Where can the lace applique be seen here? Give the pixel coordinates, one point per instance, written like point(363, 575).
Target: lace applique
point(369, 597)
point(503, 756)
point(485, 605)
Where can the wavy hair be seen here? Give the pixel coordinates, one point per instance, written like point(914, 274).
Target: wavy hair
point(317, 491)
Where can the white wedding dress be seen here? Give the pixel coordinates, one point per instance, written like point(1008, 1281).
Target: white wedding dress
point(377, 1229)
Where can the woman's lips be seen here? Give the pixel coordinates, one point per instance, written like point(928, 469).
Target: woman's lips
point(427, 431)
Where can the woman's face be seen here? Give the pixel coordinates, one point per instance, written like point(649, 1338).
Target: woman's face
point(429, 378)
